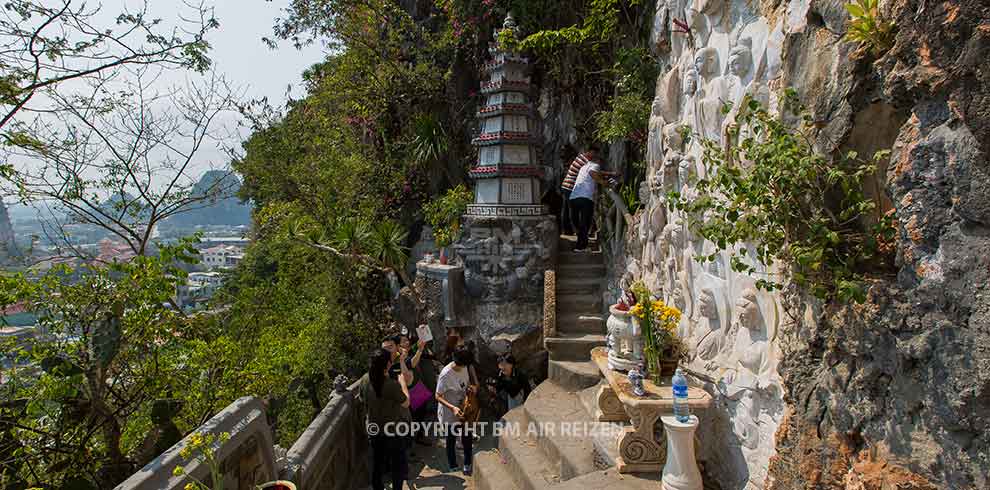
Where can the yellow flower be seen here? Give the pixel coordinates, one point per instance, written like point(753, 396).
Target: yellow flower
point(177, 471)
point(190, 486)
point(637, 310)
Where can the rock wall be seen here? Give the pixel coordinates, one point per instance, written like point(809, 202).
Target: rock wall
point(894, 393)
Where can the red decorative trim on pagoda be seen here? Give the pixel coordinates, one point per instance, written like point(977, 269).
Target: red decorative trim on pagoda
point(512, 108)
point(490, 171)
point(503, 137)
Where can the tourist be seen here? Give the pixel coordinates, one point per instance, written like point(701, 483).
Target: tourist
point(568, 222)
point(387, 403)
point(583, 199)
point(511, 385)
point(420, 392)
point(391, 344)
point(453, 385)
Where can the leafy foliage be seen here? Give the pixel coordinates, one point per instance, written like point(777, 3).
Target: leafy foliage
point(630, 195)
point(770, 197)
point(444, 214)
point(111, 347)
point(868, 28)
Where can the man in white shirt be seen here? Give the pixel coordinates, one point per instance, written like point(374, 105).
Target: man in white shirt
point(583, 200)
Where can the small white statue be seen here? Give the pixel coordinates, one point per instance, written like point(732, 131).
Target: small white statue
point(636, 376)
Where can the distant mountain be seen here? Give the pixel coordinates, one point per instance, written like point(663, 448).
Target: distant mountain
point(8, 247)
point(226, 210)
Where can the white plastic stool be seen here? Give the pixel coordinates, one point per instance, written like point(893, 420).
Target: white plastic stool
point(681, 471)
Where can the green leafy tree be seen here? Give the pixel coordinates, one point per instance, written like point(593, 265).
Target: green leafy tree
point(110, 347)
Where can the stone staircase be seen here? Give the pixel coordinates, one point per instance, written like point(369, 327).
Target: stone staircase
point(580, 323)
point(553, 448)
point(557, 444)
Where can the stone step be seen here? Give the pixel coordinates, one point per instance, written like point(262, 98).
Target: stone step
point(490, 473)
point(564, 257)
point(606, 446)
point(610, 479)
point(565, 271)
point(567, 442)
point(574, 375)
point(579, 303)
point(573, 347)
point(580, 285)
point(569, 322)
point(529, 467)
point(567, 242)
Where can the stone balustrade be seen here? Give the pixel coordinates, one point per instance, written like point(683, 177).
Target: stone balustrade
point(331, 454)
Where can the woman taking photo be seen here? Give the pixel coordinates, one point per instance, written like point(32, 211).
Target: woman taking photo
point(388, 403)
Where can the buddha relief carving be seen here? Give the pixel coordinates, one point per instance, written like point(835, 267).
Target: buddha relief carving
point(708, 326)
point(708, 110)
point(654, 141)
point(668, 179)
point(740, 69)
point(749, 347)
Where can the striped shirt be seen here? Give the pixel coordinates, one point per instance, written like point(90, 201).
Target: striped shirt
point(572, 171)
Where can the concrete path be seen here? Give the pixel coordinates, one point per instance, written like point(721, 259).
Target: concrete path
point(428, 463)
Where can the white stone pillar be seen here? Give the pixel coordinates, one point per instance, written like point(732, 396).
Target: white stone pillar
point(681, 471)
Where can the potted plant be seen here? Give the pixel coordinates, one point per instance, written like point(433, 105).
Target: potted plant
point(444, 213)
point(658, 327)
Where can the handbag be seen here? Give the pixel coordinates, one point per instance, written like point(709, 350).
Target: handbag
point(471, 409)
point(419, 395)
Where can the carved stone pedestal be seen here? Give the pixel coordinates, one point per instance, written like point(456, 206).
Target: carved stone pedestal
point(681, 471)
point(642, 447)
point(609, 409)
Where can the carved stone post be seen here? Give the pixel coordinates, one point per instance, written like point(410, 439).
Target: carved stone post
point(681, 471)
point(639, 450)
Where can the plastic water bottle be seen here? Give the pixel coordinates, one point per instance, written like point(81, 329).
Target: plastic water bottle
point(681, 410)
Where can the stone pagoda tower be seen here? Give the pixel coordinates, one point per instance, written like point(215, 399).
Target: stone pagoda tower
point(508, 172)
point(509, 237)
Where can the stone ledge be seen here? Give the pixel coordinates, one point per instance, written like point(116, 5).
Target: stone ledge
point(248, 457)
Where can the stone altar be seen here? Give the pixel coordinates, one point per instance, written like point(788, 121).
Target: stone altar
point(642, 447)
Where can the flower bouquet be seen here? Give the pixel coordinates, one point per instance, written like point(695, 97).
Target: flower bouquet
point(658, 327)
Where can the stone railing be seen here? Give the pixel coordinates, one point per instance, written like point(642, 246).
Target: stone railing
point(331, 454)
point(248, 458)
point(549, 304)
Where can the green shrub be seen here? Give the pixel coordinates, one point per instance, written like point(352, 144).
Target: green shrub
point(443, 213)
point(770, 197)
point(867, 27)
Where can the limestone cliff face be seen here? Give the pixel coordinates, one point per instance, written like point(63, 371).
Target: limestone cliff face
point(894, 393)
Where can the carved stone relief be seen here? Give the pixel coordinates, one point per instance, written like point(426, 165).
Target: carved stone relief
point(728, 325)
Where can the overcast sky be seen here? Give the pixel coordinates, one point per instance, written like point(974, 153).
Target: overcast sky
point(239, 53)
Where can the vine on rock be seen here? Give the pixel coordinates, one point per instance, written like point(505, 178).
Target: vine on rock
point(769, 196)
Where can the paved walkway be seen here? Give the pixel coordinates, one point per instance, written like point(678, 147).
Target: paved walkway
point(428, 463)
